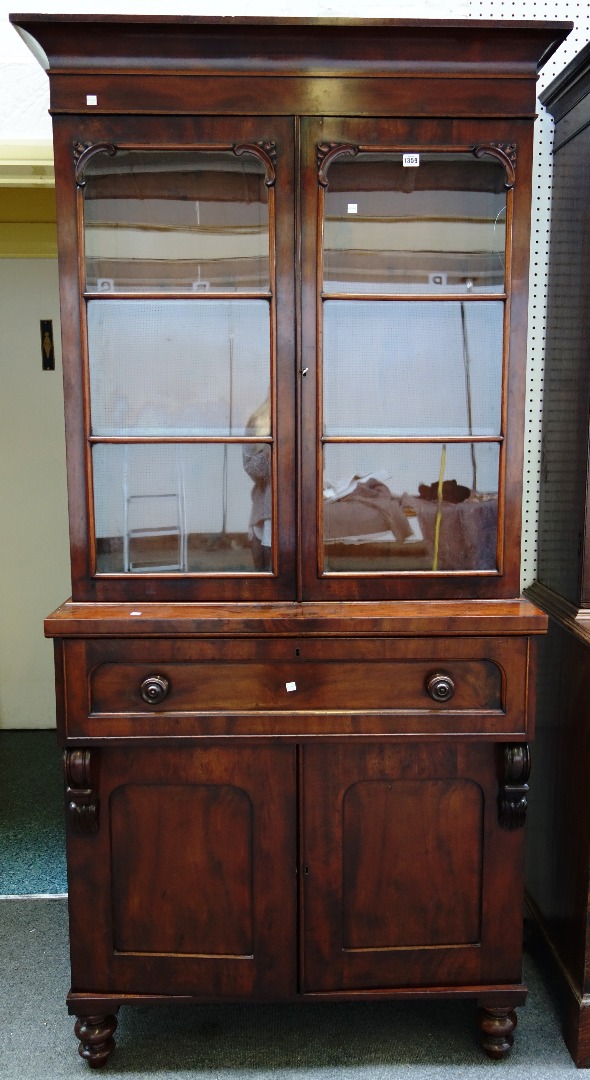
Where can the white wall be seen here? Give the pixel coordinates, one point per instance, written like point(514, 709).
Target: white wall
point(34, 571)
point(34, 545)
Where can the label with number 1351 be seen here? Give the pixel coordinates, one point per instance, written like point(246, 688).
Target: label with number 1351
point(410, 160)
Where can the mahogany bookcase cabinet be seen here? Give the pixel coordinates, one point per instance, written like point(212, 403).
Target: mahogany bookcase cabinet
point(295, 674)
point(558, 855)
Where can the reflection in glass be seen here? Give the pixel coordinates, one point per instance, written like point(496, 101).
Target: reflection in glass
point(177, 367)
point(412, 368)
point(257, 461)
point(176, 221)
point(410, 506)
point(173, 508)
point(439, 227)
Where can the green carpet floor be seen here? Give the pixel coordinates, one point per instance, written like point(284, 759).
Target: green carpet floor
point(377, 1041)
point(32, 851)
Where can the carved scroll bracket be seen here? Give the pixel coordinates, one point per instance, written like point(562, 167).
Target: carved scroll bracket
point(84, 151)
point(326, 152)
point(81, 799)
point(503, 152)
point(265, 150)
point(514, 787)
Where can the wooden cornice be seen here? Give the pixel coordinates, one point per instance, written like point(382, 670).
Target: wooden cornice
point(224, 45)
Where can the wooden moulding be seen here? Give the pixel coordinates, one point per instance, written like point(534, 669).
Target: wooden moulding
point(323, 46)
point(404, 618)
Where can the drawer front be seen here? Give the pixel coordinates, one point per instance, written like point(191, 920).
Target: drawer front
point(122, 688)
point(343, 686)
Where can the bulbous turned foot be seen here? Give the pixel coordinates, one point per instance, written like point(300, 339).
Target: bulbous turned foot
point(96, 1038)
point(496, 1028)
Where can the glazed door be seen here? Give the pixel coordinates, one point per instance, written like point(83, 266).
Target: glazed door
point(184, 349)
point(407, 338)
point(183, 877)
point(408, 880)
point(281, 405)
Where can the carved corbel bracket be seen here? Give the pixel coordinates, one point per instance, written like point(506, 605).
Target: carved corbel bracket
point(81, 799)
point(514, 788)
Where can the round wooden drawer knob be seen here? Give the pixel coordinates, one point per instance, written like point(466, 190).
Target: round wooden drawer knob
point(154, 689)
point(440, 687)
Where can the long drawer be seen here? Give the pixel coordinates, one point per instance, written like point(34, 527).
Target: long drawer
point(157, 687)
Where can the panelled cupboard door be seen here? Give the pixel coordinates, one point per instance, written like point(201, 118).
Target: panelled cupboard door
point(188, 885)
point(408, 879)
point(413, 232)
point(184, 346)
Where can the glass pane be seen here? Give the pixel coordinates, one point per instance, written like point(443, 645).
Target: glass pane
point(176, 221)
point(182, 508)
point(382, 509)
point(177, 367)
point(413, 368)
point(438, 227)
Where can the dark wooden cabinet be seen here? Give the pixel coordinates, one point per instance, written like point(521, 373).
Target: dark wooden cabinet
point(397, 891)
point(295, 677)
point(204, 836)
point(558, 857)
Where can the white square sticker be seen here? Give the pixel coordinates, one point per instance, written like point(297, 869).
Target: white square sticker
point(410, 160)
point(352, 208)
